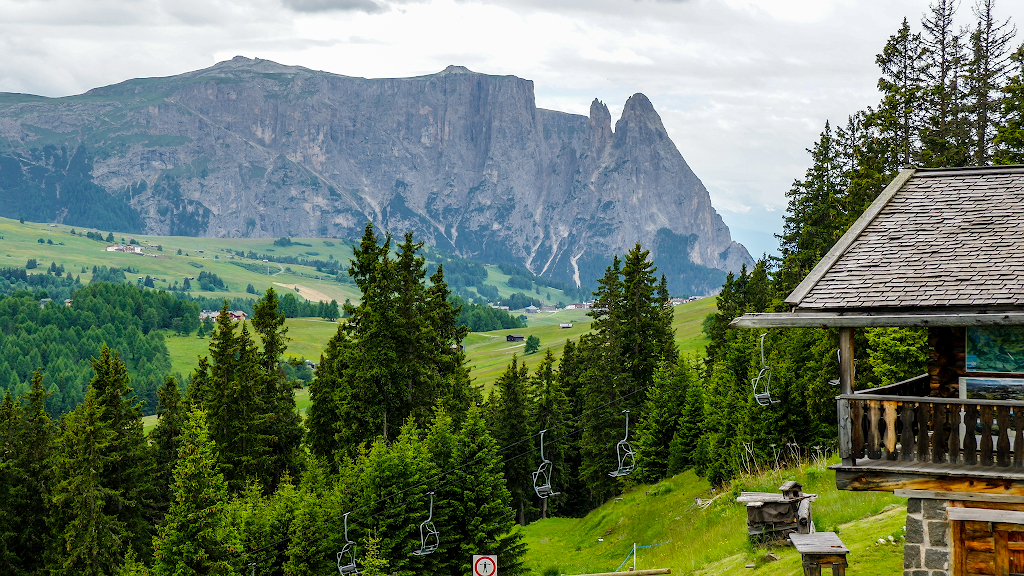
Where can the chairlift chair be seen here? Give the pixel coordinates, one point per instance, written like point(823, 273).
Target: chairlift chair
point(429, 536)
point(625, 454)
point(762, 384)
point(542, 477)
point(347, 556)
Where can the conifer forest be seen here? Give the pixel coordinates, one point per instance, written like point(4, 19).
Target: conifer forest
point(403, 465)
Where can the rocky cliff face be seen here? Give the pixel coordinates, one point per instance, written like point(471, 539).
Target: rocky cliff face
point(251, 148)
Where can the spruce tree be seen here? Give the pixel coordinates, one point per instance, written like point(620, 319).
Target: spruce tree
point(10, 491)
point(165, 437)
point(392, 491)
point(1009, 138)
point(399, 354)
point(129, 475)
point(35, 442)
point(510, 426)
point(574, 498)
point(549, 410)
point(195, 537)
point(325, 420)
point(249, 404)
point(441, 444)
point(88, 539)
point(284, 425)
point(945, 139)
point(660, 422)
point(986, 74)
point(899, 117)
point(487, 518)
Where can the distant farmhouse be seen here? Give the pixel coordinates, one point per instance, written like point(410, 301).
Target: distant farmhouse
point(126, 248)
point(236, 315)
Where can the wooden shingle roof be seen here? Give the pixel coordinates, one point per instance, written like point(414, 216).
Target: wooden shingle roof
point(934, 239)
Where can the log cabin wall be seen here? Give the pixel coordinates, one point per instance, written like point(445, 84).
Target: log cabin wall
point(946, 359)
point(984, 548)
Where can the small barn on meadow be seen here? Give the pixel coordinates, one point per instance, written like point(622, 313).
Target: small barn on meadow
point(942, 250)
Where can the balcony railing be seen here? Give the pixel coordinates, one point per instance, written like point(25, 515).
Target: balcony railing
point(892, 424)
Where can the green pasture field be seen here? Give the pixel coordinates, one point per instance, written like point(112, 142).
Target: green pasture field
point(489, 353)
point(20, 242)
point(714, 540)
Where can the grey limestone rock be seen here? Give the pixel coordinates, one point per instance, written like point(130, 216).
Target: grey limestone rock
point(252, 148)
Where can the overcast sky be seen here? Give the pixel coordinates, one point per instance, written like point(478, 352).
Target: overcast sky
point(744, 86)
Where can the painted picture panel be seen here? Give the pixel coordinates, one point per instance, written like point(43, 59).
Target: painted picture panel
point(995, 349)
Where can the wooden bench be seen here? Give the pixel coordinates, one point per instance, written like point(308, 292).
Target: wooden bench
point(821, 549)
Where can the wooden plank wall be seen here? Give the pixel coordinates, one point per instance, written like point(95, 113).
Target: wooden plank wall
point(987, 548)
point(946, 359)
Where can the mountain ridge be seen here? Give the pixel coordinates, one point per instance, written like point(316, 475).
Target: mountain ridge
point(253, 148)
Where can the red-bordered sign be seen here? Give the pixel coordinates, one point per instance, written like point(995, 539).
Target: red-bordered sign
point(485, 565)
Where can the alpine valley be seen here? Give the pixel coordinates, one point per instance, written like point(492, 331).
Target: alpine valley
point(252, 148)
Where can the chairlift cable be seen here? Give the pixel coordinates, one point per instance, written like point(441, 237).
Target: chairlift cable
point(392, 496)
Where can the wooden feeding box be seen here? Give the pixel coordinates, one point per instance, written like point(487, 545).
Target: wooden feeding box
point(773, 515)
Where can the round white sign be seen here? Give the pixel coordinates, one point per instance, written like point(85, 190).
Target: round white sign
point(485, 566)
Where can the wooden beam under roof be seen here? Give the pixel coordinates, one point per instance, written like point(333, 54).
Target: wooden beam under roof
point(839, 320)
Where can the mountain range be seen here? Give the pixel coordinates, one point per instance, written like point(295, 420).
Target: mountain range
point(252, 148)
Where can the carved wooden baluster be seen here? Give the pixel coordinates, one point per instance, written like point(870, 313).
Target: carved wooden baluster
point(924, 421)
point(889, 415)
point(953, 445)
point(970, 434)
point(857, 427)
point(1018, 437)
point(907, 444)
point(1003, 444)
point(938, 432)
point(874, 434)
point(986, 435)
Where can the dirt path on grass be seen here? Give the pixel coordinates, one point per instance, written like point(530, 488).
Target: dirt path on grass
point(306, 292)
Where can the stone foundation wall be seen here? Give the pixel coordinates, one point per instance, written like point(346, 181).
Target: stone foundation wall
point(927, 551)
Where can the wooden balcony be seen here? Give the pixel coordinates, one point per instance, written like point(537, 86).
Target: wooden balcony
point(897, 437)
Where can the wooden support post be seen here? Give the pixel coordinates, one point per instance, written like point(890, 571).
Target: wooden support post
point(846, 360)
point(846, 379)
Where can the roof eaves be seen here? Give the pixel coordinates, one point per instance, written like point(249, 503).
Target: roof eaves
point(847, 239)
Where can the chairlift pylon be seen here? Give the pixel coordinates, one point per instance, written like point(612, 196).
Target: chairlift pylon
point(347, 556)
point(762, 384)
point(542, 477)
point(429, 536)
point(624, 453)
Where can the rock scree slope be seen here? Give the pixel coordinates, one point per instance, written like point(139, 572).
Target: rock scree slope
point(252, 148)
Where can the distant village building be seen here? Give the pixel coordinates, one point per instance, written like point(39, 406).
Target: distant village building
point(44, 302)
point(126, 248)
point(566, 325)
point(531, 309)
point(548, 309)
point(515, 338)
point(235, 315)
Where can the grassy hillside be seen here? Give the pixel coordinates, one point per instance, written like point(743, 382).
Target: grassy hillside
point(489, 352)
point(714, 540)
point(20, 242)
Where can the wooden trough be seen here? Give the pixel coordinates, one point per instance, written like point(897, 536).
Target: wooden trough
point(774, 516)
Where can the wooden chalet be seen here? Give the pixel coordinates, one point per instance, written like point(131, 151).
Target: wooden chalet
point(941, 249)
